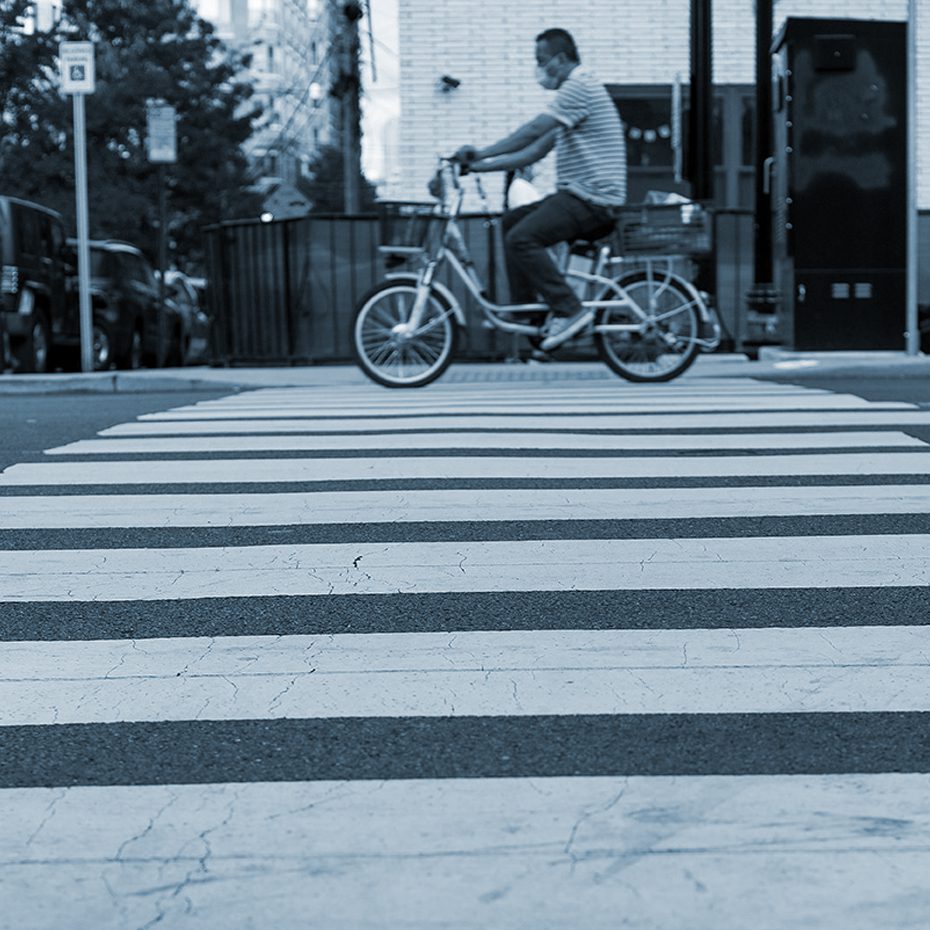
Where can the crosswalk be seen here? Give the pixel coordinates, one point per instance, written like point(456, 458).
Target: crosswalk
point(486, 655)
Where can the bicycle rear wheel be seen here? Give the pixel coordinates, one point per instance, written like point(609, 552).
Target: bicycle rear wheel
point(667, 346)
point(387, 351)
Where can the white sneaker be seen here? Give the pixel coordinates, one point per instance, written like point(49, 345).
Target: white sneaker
point(563, 328)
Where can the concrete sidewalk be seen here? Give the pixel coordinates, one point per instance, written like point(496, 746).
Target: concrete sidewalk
point(773, 363)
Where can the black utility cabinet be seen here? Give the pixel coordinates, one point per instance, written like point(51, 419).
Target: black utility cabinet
point(840, 182)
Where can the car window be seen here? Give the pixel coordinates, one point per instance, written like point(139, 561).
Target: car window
point(99, 264)
point(144, 272)
point(133, 267)
point(26, 231)
point(58, 239)
point(45, 235)
point(149, 273)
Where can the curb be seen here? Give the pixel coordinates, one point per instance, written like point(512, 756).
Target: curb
point(106, 383)
point(773, 364)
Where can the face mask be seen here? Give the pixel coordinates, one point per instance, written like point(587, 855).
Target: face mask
point(544, 79)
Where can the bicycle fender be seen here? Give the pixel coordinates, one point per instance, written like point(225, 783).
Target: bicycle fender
point(703, 310)
point(440, 289)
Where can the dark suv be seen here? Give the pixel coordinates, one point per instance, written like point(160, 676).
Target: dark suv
point(35, 315)
point(124, 296)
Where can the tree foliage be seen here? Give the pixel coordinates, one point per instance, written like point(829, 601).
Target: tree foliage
point(324, 187)
point(157, 49)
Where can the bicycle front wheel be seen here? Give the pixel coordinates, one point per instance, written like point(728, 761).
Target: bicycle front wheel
point(666, 346)
point(392, 354)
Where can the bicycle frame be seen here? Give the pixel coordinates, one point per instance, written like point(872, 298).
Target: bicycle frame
point(453, 250)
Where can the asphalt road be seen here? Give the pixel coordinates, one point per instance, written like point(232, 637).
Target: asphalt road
point(31, 423)
point(819, 722)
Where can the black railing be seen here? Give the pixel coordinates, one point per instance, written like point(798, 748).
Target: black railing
point(285, 292)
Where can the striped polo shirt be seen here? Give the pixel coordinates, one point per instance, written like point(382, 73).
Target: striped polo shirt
point(590, 147)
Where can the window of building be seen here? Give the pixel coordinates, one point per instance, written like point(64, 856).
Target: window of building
point(646, 111)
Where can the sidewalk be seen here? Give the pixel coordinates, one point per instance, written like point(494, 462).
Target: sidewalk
point(773, 363)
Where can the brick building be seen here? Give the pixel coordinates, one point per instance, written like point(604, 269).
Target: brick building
point(636, 48)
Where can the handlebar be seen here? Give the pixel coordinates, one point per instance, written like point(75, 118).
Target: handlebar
point(448, 179)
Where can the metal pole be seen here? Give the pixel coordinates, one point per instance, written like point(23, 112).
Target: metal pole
point(351, 83)
point(912, 322)
point(762, 225)
point(763, 298)
point(701, 173)
point(83, 224)
point(162, 264)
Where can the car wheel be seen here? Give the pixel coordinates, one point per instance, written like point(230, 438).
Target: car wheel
point(102, 348)
point(34, 352)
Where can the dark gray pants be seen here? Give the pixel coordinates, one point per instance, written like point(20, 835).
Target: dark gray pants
point(529, 232)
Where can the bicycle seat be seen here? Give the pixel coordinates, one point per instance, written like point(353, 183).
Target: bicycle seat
point(594, 240)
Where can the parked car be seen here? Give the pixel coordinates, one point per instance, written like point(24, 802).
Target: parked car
point(124, 298)
point(195, 324)
point(36, 317)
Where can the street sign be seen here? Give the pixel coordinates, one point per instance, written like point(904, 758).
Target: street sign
point(76, 61)
point(162, 135)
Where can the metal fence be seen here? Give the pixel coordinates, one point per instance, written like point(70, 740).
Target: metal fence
point(285, 292)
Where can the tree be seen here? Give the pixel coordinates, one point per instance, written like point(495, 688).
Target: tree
point(324, 187)
point(157, 49)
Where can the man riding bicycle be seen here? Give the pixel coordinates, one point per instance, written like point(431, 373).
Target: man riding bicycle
point(584, 127)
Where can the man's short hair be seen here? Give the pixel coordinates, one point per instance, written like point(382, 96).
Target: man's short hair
point(560, 40)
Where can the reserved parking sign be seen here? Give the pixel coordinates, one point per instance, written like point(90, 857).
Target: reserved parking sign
point(76, 61)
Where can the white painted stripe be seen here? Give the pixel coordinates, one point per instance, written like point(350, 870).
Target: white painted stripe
point(871, 417)
point(447, 567)
point(344, 507)
point(818, 851)
point(488, 674)
point(549, 386)
point(402, 442)
point(429, 467)
point(330, 401)
point(627, 441)
point(309, 411)
point(246, 471)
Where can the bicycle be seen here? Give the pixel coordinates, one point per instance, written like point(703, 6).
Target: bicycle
point(650, 323)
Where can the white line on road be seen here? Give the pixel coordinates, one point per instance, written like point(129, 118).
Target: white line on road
point(246, 471)
point(535, 440)
point(471, 853)
point(737, 420)
point(446, 567)
point(539, 672)
point(685, 405)
point(345, 507)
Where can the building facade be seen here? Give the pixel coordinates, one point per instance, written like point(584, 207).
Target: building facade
point(467, 75)
point(289, 41)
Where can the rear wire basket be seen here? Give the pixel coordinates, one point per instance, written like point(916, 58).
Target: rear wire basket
point(665, 229)
point(407, 228)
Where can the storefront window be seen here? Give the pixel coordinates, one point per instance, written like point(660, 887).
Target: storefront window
point(646, 111)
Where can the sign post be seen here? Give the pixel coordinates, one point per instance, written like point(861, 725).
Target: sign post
point(76, 61)
point(912, 317)
point(162, 141)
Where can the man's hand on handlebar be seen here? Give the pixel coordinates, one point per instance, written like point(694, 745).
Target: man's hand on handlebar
point(465, 155)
